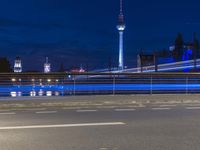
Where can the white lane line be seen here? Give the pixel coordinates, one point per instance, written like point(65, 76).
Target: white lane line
point(5, 110)
point(192, 105)
point(63, 125)
point(8, 113)
point(192, 108)
point(161, 108)
point(46, 112)
point(35, 109)
point(103, 148)
point(168, 105)
point(125, 109)
point(86, 111)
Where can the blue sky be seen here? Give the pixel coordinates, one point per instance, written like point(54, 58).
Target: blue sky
point(84, 32)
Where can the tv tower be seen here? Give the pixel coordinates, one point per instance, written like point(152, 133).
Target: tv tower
point(121, 27)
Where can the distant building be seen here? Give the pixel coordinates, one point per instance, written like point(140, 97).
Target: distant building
point(144, 61)
point(47, 66)
point(18, 65)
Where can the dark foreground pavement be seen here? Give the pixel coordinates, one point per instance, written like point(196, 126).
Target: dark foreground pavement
point(171, 127)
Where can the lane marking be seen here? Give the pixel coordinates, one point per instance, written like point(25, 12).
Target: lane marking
point(191, 108)
point(131, 109)
point(5, 110)
point(36, 109)
point(8, 113)
point(46, 112)
point(63, 125)
point(161, 108)
point(71, 108)
point(86, 111)
point(168, 105)
point(192, 105)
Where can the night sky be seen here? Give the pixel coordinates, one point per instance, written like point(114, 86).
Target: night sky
point(84, 32)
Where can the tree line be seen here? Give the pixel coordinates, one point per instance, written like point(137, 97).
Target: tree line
point(5, 65)
point(179, 48)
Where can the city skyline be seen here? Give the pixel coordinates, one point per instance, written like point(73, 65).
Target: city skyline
point(66, 31)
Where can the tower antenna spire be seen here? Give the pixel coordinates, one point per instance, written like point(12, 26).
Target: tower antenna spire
point(121, 7)
point(121, 15)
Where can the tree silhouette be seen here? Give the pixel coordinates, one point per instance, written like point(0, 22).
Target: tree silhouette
point(61, 69)
point(178, 51)
point(195, 49)
point(5, 65)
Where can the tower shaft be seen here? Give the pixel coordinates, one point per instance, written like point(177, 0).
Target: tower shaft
point(121, 51)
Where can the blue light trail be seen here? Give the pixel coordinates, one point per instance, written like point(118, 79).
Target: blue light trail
point(6, 90)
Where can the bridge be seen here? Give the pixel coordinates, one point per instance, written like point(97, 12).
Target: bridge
point(66, 84)
point(167, 67)
point(175, 66)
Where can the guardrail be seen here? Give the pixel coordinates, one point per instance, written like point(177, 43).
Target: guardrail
point(63, 84)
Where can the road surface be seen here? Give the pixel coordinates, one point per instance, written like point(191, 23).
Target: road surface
point(156, 127)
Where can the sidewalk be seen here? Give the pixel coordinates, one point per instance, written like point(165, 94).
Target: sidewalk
point(106, 101)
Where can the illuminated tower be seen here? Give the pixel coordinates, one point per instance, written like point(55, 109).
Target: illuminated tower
point(47, 66)
point(18, 65)
point(121, 27)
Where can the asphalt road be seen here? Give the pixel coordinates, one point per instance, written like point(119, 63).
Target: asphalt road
point(168, 127)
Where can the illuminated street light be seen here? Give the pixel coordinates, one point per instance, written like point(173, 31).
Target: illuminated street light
point(13, 79)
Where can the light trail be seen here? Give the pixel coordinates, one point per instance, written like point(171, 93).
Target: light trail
point(62, 125)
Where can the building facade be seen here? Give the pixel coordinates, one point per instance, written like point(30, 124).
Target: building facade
point(18, 65)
